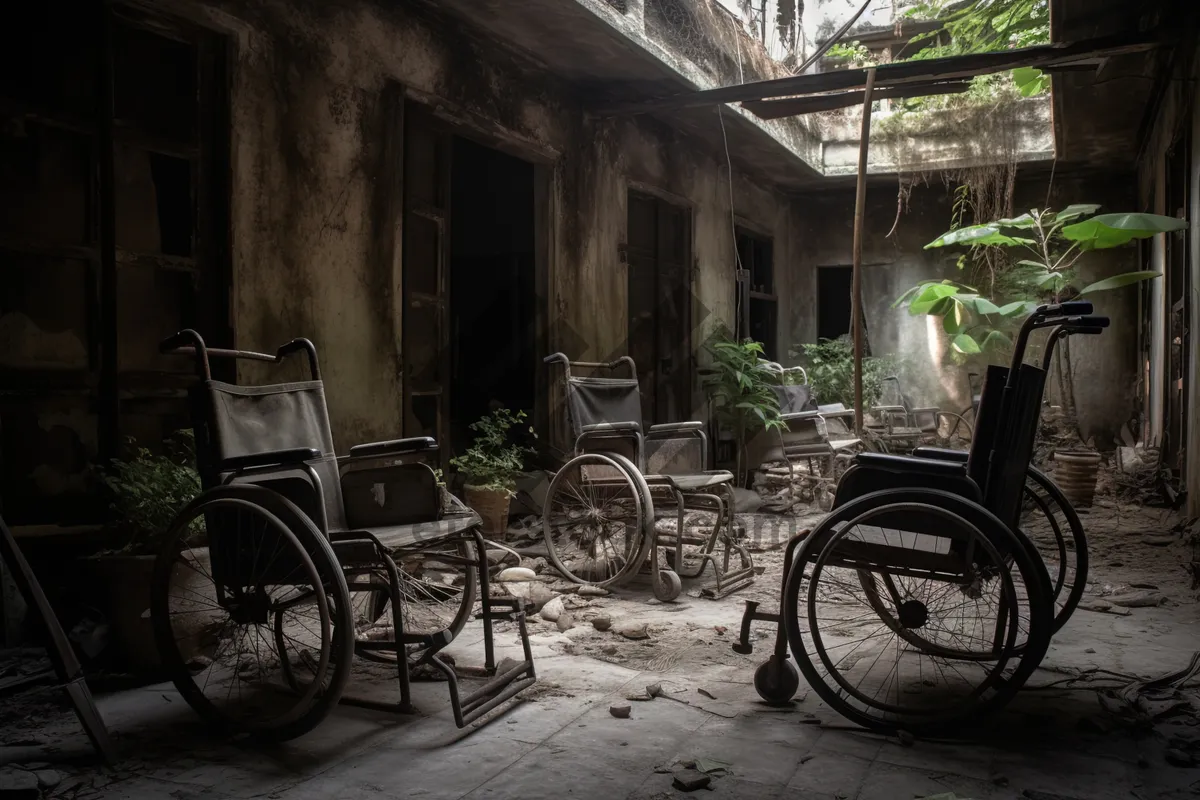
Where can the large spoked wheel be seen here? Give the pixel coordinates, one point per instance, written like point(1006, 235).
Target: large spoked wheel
point(930, 639)
point(438, 588)
point(598, 519)
point(248, 596)
point(1051, 523)
point(953, 430)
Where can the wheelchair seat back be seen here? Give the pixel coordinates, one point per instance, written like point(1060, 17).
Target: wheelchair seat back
point(794, 398)
point(1012, 448)
point(606, 401)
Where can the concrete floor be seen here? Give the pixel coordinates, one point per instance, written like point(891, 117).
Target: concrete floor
point(1057, 741)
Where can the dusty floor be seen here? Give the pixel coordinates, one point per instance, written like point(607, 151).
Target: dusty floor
point(1064, 737)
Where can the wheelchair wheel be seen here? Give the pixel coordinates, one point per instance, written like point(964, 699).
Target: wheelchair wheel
point(247, 591)
point(598, 519)
point(776, 681)
point(944, 650)
point(953, 431)
point(1051, 523)
point(438, 589)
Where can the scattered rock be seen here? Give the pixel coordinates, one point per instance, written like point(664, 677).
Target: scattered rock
point(1136, 599)
point(804, 759)
point(533, 593)
point(48, 778)
point(537, 565)
point(565, 623)
point(593, 591)
point(601, 623)
point(1159, 541)
point(516, 575)
point(620, 710)
point(634, 630)
point(552, 610)
point(17, 784)
point(1104, 607)
point(689, 780)
point(707, 694)
point(1090, 651)
point(610, 649)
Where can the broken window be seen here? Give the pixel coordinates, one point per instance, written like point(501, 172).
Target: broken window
point(83, 305)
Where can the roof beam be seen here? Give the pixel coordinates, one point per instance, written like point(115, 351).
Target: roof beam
point(905, 72)
point(793, 106)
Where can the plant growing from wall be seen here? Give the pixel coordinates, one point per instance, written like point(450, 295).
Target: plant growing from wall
point(148, 492)
point(830, 367)
point(739, 384)
point(1054, 242)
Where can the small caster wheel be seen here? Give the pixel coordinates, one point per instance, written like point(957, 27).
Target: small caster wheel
point(776, 681)
point(668, 587)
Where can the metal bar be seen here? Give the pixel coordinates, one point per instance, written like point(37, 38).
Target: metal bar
point(860, 212)
point(795, 106)
point(951, 67)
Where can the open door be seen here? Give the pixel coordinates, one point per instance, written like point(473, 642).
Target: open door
point(425, 342)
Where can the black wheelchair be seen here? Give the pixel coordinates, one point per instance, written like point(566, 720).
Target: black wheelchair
point(919, 603)
point(292, 561)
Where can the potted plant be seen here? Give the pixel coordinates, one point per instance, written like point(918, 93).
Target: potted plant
point(147, 492)
point(739, 384)
point(491, 467)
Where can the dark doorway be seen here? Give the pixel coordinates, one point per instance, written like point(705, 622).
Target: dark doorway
point(660, 309)
point(756, 256)
point(833, 301)
point(493, 312)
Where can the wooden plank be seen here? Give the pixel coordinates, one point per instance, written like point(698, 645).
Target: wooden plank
point(925, 70)
point(860, 213)
point(794, 106)
point(129, 258)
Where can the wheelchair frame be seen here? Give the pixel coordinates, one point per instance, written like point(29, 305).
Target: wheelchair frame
point(257, 484)
point(983, 494)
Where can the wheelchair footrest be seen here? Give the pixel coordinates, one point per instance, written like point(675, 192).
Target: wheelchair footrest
point(511, 606)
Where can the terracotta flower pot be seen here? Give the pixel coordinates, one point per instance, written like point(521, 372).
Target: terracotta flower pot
point(491, 505)
point(1075, 473)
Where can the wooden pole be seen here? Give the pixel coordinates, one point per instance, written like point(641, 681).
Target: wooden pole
point(860, 212)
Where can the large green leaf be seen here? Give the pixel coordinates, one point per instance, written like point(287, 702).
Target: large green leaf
point(931, 295)
point(1025, 221)
point(1075, 211)
point(1030, 81)
point(1009, 309)
point(1117, 281)
point(985, 306)
point(977, 235)
point(1114, 230)
point(964, 343)
point(995, 340)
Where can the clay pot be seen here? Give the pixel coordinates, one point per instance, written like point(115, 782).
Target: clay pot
point(492, 507)
point(1075, 473)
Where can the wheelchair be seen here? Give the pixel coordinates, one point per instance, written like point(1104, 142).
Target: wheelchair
point(292, 561)
point(599, 515)
point(955, 606)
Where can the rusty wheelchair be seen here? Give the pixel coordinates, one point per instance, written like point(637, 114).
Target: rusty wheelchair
point(292, 561)
point(599, 517)
point(919, 602)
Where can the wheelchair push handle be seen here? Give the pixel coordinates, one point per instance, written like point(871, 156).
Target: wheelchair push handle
point(567, 364)
point(190, 343)
point(1071, 308)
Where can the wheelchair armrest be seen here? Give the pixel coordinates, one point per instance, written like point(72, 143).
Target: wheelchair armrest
point(843, 413)
point(942, 454)
point(611, 427)
point(394, 447)
point(273, 458)
point(676, 427)
point(799, 415)
point(911, 465)
point(931, 410)
point(889, 409)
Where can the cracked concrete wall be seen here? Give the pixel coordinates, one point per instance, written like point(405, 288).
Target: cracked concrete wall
point(1105, 367)
point(306, 83)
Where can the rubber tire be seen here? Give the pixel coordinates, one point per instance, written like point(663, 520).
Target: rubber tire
point(776, 680)
point(1041, 601)
point(328, 568)
point(1078, 536)
point(645, 520)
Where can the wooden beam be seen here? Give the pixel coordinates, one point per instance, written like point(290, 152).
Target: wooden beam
point(902, 72)
point(794, 106)
point(860, 213)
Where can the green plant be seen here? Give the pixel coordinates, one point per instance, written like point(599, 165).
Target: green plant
point(981, 26)
point(830, 366)
point(739, 383)
point(854, 53)
point(492, 462)
point(149, 491)
point(1056, 240)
